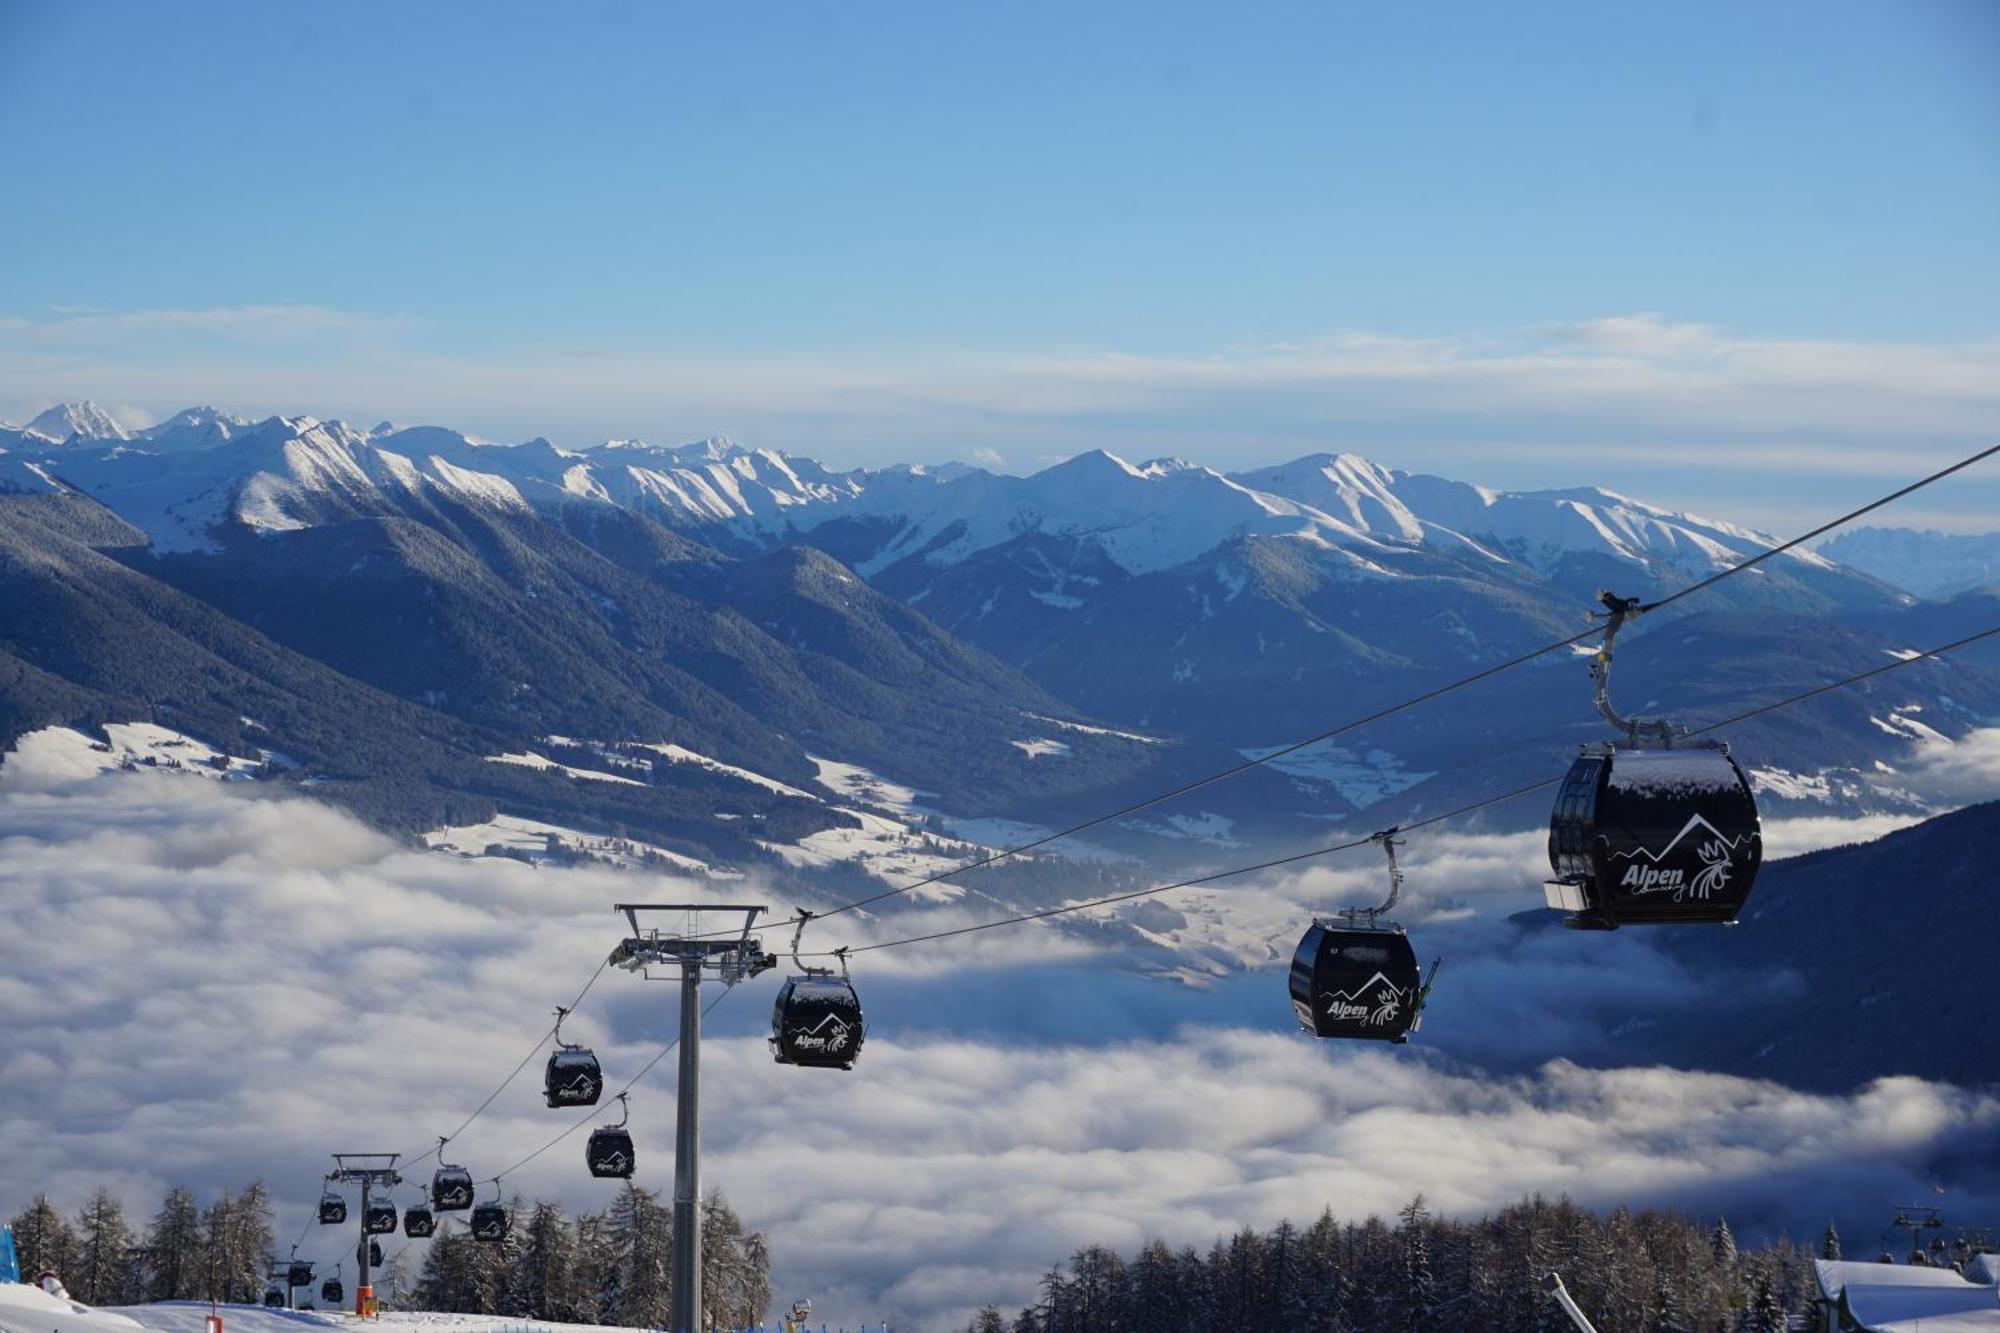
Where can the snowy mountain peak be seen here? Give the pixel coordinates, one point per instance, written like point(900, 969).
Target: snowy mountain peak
point(85, 420)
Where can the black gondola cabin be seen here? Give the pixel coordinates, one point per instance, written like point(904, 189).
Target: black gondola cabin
point(274, 1298)
point(1356, 981)
point(451, 1189)
point(332, 1292)
point(609, 1153)
point(1653, 837)
point(378, 1218)
point(418, 1222)
point(817, 1022)
point(489, 1223)
point(572, 1078)
point(299, 1274)
point(332, 1209)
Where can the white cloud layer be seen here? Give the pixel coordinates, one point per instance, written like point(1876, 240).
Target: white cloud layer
point(205, 985)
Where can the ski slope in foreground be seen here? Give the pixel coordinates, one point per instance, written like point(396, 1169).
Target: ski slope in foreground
point(25, 1309)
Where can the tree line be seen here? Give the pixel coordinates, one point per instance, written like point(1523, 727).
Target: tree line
point(187, 1252)
point(1648, 1272)
point(611, 1267)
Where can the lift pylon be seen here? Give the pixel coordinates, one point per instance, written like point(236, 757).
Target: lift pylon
point(732, 959)
point(366, 1169)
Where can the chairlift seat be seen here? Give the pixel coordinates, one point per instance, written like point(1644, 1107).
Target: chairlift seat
point(609, 1153)
point(1653, 836)
point(573, 1078)
point(1351, 980)
point(817, 1022)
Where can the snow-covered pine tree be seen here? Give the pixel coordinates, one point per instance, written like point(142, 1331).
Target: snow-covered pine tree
point(1829, 1244)
point(43, 1241)
point(1723, 1245)
point(545, 1268)
point(248, 1253)
point(454, 1277)
point(988, 1320)
point(175, 1268)
point(102, 1270)
point(639, 1237)
point(1765, 1312)
point(736, 1267)
point(1666, 1313)
point(1419, 1295)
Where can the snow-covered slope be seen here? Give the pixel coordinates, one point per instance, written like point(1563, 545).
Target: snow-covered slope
point(1539, 528)
point(185, 484)
point(81, 421)
point(26, 1309)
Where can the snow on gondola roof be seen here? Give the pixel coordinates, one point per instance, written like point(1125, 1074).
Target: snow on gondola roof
point(1672, 772)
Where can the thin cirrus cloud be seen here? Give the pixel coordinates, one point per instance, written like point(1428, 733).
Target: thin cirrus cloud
point(1674, 411)
point(220, 985)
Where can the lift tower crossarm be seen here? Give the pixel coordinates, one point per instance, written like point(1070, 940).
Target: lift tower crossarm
point(732, 960)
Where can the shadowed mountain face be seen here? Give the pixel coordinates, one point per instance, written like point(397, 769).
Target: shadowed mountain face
point(1022, 647)
point(1853, 963)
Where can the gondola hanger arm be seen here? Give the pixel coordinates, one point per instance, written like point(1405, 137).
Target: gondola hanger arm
point(798, 935)
point(1389, 842)
point(1617, 610)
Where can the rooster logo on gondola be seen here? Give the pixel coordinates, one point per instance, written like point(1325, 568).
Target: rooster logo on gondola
point(1714, 870)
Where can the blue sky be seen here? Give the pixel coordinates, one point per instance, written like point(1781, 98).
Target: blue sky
point(1013, 231)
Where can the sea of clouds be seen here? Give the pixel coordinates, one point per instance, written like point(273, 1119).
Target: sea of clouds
point(204, 984)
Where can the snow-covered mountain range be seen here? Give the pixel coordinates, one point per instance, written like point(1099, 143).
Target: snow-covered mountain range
point(190, 478)
point(1006, 645)
point(1930, 564)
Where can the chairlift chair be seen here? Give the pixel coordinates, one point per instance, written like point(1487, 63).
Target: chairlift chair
point(609, 1152)
point(573, 1076)
point(1653, 829)
point(817, 1021)
point(1356, 975)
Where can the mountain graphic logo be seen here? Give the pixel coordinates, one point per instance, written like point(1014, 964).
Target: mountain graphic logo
point(1717, 855)
point(832, 1033)
point(581, 1088)
point(1374, 1003)
point(615, 1163)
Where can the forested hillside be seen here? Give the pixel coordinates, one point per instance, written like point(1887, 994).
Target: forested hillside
point(1632, 1273)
